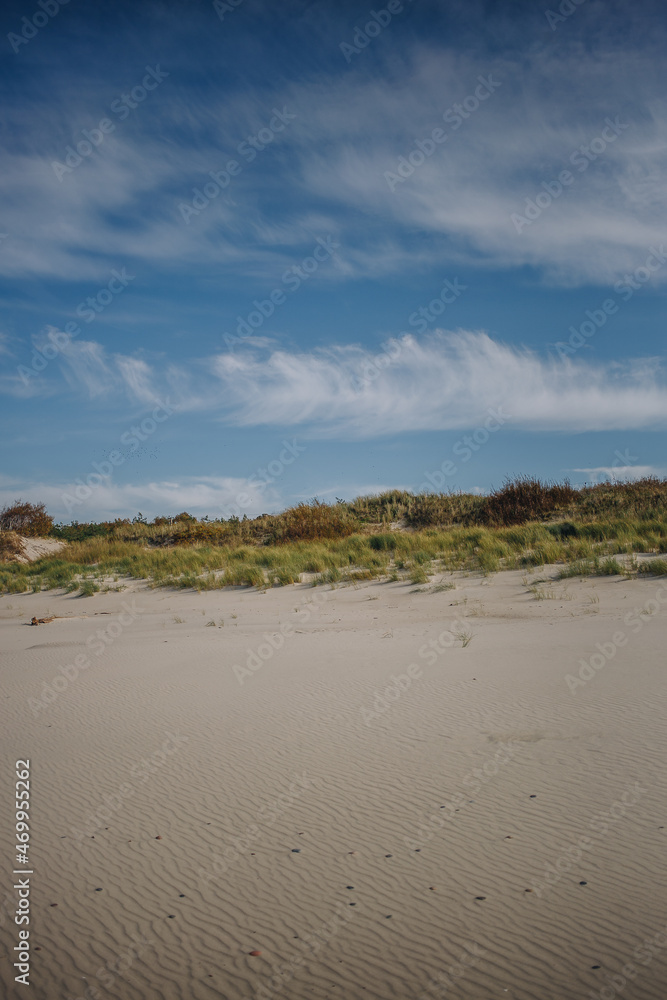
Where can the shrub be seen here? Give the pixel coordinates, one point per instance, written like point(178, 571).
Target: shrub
point(76, 532)
point(309, 521)
point(28, 519)
point(525, 499)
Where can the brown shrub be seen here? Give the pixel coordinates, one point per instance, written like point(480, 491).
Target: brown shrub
point(525, 499)
point(29, 519)
point(310, 521)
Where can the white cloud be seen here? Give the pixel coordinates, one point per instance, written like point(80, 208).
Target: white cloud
point(443, 381)
point(524, 134)
point(217, 496)
point(326, 174)
point(622, 473)
point(447, 381)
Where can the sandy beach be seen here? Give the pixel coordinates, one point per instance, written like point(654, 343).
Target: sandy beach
point(373, 791)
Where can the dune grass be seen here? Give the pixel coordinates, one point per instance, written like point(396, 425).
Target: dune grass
point(394, 536)
point(582, 549)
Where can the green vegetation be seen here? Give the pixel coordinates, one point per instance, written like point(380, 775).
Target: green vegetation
point(394, 536)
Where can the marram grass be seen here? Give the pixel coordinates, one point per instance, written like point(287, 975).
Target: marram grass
point(599, 547)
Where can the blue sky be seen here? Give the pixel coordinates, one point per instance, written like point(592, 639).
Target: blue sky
point(253, 253)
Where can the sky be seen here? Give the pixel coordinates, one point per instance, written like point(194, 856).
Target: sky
point(255, 253)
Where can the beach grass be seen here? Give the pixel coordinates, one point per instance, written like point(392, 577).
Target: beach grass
point(597, 530)
point(603, 548)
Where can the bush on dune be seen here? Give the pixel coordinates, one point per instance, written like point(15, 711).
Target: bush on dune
point(27, 519)
point(310, 521)
point(525, 499)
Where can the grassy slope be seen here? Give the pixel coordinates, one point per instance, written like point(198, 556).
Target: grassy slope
point(525, 524)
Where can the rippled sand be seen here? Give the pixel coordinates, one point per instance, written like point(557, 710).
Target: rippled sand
point(377, 817)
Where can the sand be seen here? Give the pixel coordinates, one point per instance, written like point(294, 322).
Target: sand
point(497, 821)
point(37, 548)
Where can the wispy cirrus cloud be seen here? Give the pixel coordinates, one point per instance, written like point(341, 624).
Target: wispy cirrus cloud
point(444, 381)
point(328, 170)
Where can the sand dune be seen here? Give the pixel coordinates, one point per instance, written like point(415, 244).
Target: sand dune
point(299, 773)
point(37, 548)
